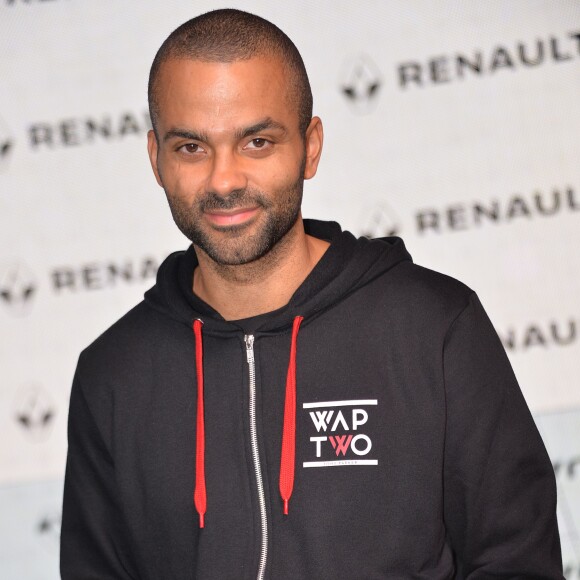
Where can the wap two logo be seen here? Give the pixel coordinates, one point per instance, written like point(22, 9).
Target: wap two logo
point(341, 439)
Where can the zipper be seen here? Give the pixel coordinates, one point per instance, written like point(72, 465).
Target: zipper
point(249, 340)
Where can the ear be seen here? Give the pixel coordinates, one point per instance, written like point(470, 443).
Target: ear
point(153, 149)
point(314, 138)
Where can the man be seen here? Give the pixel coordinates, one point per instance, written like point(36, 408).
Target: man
point(290, 402)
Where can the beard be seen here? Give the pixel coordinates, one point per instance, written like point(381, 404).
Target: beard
point(244, 243)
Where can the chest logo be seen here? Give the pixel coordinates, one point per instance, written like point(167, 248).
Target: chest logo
point(340, 438)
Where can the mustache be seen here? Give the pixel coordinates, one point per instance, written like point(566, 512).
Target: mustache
point(238, 198)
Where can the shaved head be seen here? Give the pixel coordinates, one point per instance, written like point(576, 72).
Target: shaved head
point(230, 35)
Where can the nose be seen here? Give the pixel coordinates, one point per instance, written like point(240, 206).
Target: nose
point(226, 173)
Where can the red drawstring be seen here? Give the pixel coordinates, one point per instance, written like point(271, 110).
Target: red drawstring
point(199, 495)
point(287, 460)
point(288, 436)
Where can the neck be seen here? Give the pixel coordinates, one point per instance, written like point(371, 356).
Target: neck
point(238, 292)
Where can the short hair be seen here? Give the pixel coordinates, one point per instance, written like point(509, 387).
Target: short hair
point(229, 35)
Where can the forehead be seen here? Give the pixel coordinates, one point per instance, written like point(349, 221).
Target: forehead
point(216, 95)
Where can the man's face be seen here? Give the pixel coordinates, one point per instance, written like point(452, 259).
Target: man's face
point(230, 155)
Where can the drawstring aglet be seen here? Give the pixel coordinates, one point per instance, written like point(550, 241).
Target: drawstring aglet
point(285, 507)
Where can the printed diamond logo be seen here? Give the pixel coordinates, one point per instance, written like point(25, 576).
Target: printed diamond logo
point(361, 83)
point(6, 146)
point(381, 221)
point(48, 529)
point(35, 412)
point(17, 288)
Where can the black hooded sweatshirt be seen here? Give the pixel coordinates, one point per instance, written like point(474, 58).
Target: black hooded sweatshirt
point(409, 451)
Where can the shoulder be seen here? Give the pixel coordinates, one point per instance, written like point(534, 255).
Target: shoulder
point(424, 291)
point(125, 344)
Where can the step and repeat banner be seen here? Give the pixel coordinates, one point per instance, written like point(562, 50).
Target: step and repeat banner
point(454, 124)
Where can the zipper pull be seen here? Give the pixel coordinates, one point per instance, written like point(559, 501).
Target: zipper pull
point(249, 340)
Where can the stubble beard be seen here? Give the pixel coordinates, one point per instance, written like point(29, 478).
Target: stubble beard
point(238, 245)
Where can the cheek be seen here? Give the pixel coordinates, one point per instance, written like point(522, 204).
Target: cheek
point(180, 180)
point(277, 176)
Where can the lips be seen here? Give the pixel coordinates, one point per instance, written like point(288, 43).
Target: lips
point(231, 217)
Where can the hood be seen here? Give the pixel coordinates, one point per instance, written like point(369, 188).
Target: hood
point(349, 264)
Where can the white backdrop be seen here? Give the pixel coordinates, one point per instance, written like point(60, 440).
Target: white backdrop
point(454, 124)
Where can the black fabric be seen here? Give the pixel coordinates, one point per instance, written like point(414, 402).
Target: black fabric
point(397, 366)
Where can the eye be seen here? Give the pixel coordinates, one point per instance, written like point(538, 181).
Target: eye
point(257, 143)
point(191, 148)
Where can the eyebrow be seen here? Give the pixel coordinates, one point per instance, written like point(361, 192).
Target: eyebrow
point(258, 127)
point(240, 133)
point(184, 134)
